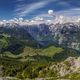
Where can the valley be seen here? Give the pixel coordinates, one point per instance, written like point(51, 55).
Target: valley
point(40, 52)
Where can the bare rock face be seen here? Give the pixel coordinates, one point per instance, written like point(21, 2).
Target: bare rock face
point(69, 66)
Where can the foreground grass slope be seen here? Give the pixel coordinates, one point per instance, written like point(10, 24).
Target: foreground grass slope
point(28, 59)
point(31, 70)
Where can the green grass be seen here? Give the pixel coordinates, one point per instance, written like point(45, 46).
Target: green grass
point(33, 53)
point(26, 60)
point(27, 49)
point(52, 50)
point(49, 53)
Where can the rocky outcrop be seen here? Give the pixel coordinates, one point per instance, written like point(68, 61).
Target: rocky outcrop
point(69, 66)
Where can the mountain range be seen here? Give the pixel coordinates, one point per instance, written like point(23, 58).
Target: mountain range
point(39, 49)
point(64, 34)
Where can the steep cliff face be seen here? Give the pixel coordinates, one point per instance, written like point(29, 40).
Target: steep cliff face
point(65, 34)
point(39, 31)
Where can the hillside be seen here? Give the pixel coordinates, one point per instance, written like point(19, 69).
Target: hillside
point(30, 51)
point(25, 49)
point(22, 59)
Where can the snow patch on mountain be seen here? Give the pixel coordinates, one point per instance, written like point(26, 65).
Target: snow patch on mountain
point(63, 30)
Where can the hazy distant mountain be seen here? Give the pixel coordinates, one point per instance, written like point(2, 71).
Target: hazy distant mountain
point(66, 34)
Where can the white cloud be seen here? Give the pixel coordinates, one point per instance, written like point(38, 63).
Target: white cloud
point(69, 12)
point(24, 9)
point(74, 12)
point(44, 15)
point(50, 12)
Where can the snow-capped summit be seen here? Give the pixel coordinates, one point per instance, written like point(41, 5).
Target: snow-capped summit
point(38, 20)
point(63, 30)
point(21, 19)
point(78, 20)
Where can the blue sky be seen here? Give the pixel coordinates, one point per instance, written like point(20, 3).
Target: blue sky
point(33, 8)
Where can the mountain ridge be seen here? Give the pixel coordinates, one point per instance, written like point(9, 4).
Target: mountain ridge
point(66, 34)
